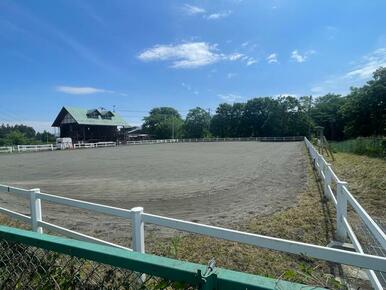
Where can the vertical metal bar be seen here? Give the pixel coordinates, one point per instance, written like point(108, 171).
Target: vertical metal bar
point(341, 211)
point(36, 211)
point(138, 230)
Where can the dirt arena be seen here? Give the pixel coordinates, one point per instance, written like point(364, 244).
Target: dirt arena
point(214, 183)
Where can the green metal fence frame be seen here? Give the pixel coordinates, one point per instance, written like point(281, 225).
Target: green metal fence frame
point(163, 267)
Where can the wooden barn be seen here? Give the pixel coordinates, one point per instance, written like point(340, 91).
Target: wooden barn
point(92, 125)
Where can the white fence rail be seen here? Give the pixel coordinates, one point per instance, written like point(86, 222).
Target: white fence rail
point(137, 217)
point(26, 148)
point(341, 198)
point(94, 145)
point(195, 140)
point(7, 149)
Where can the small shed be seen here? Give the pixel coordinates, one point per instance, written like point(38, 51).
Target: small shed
point(88, 125)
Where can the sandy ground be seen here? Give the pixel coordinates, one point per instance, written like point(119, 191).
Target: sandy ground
point(214, 183)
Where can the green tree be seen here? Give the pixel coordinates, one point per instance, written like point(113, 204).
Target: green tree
point(163, 123)
point(197, 123)
point(326, 112)
point(364, 112)
point(15, 137)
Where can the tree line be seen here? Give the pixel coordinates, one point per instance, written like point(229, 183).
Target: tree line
point(362, 112)
point(22, 134)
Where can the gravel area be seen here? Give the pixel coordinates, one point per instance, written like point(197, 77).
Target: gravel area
point(214, 183)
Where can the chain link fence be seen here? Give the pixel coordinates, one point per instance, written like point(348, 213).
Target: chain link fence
point(27, 267)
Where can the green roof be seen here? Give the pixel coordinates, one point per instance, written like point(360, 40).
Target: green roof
point(81, 118)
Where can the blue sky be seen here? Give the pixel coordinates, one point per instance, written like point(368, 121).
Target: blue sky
point(136, 55)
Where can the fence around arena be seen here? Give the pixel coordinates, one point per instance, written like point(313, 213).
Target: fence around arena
point(338, 193)
point(94, 145)
point(198, 140)
point(6, 149)
point(26, 148)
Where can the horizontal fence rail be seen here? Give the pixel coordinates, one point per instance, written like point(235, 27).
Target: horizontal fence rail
point(341, 198)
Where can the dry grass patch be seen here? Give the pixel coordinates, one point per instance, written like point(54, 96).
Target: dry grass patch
point(366, 178)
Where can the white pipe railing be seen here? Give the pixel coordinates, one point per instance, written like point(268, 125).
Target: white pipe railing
point(138, 218)
point(341, 199)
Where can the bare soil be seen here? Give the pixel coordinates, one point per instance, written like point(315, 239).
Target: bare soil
point(214, 183)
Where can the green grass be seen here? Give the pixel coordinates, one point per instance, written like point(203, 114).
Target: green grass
point(373, 147)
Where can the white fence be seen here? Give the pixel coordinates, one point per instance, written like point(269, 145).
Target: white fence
point(138, 218)
point(7, 149)
point(94, 145)
point(195, 140)
point(26, 148)
point(336, 190)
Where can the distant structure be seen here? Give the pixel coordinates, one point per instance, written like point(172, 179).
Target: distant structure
point(129, 133)
point(92, 125)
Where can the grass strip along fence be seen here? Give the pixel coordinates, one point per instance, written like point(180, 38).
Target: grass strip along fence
point(30, 260)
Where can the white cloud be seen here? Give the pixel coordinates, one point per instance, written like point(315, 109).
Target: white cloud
point(368, 64)
point(251, 61)
point(235, 56)
point(193, 10)
point(230, 98)
point(296, 56)
point(272, 58)
point(231, 75)
point(219, 15)
point(359, 72)
point(187, 55)
point(81, 90)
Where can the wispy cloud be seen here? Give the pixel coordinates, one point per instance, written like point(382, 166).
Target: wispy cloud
point(231, 75)
point(230, 98)
point(298, 57)
point(251, 61)
point(272, 58)
point(81, 90)
point(368, 64)
point(195, 10)
point(192, 10)
point(360, 71)
point(187, 55)
point(218, 15)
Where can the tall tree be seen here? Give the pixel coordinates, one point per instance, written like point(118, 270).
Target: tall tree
point(163, 123)
point(364, 112)
point(326, 112)
point(197, 123)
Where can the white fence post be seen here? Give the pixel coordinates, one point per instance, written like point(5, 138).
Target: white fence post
point(138, 230)
point(341, 211)
point(327, 180)
point(36, 211)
